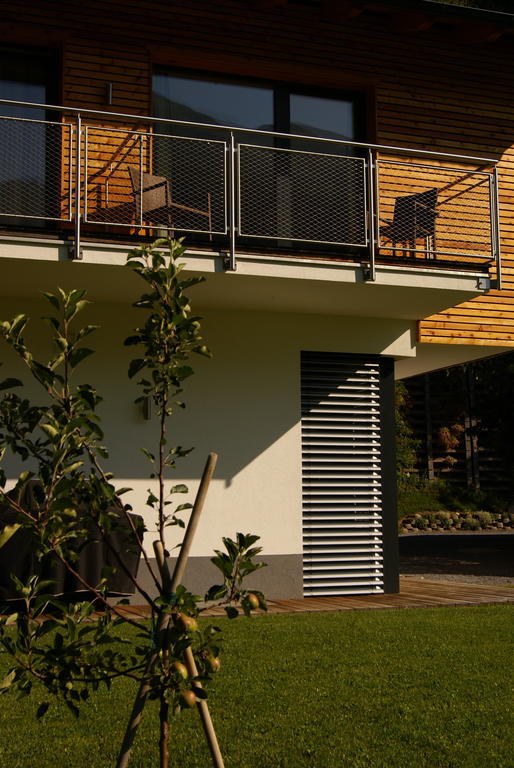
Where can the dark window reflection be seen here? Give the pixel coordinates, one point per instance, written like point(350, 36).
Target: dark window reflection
point(200, 101)
point(30, 148)
point(290, 189)
point(326, 118)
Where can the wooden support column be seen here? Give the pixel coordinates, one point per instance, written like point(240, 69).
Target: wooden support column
point(428, 428)
point(473, 426)
point(468, 445)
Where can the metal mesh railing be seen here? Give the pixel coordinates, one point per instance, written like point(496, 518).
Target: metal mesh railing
point(145, 174)
point(432, 211)
point(155, 181)
point(35, 163)
point(301, 196)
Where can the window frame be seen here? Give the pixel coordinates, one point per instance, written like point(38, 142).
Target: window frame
point(282, 90)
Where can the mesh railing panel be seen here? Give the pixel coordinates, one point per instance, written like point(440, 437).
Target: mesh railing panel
point(33, 156)
point(303, 196)
point(155, 181)
point(144, 180)
point(433, 211)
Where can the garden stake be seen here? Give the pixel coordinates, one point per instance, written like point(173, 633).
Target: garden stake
point(144, 687)
point(178, 573)
point(180, 565)
point(164, 747)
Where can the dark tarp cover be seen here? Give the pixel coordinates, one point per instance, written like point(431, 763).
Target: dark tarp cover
point(17, 557)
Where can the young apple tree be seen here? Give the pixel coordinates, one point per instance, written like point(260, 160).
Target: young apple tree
point(67, 499)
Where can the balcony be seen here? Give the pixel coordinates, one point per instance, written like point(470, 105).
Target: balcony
point(97, 177)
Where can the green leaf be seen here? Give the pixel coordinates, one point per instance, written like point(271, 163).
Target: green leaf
point(8, 680)
point(121, 491)
point(231, 612)
point(181, 488)
point(86, 330)
point(49, 430)
point(75, 307)
point(131, 341)
point(78, 355)
point(184, 372)
point(135, 366)
point(42, 709)
point(54, 301)
point(10, 383)
point(69, 512)
point(8, 532)
point(42, 372)
point(52, 321)
point(216, 592)
point(76, 294)
point(18, 323)
point(72, 467)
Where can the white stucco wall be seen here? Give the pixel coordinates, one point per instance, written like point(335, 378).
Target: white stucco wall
point(244, 403)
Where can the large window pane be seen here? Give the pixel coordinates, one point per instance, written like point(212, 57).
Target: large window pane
point(194, 170)
point(207, 101)
point(326, 118)
point(29, 149)
point(327, 206)
point(298, 189)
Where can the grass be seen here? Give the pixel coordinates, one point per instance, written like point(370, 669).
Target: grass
point(427, 688)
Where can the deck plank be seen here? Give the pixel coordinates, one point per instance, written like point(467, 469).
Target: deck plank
point(414, 592)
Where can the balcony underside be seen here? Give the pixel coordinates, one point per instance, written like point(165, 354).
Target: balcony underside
point(261, 282)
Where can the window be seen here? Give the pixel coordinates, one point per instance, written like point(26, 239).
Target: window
point(266, 107)
point(29, 171)
point(288, 189)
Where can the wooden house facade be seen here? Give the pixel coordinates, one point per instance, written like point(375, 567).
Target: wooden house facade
point(343, 173)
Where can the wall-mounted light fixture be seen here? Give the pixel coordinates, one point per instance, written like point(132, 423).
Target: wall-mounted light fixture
point(108, 93)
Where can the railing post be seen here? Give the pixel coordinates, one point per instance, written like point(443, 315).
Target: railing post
point(229, 262)
point(372, 175)
point(495, 217)
point(75, 250)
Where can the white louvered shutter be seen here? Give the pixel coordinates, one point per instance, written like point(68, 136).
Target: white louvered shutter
point(341, 475)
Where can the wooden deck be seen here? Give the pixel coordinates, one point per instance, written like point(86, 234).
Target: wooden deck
point(414, 593)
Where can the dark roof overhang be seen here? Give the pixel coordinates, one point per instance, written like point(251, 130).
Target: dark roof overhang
point(469, 23)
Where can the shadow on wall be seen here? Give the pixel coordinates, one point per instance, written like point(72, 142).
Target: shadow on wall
point(242, 403)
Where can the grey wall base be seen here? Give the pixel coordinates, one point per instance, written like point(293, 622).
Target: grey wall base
point(282, 577)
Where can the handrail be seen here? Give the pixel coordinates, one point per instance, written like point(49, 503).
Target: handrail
point(236, 129)
point(368, 228)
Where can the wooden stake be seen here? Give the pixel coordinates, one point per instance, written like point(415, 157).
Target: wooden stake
point(180, 565)
point(144, 686)
point(176, 579)
point(205, 715)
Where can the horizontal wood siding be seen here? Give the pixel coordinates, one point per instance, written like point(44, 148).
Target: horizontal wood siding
point(430, 90)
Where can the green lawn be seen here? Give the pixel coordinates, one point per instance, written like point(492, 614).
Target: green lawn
point(427, 688)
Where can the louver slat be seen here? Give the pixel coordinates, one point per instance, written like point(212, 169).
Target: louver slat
point(341, 475)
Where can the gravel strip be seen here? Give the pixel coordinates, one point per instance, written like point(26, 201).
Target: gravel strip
point(505, 581)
